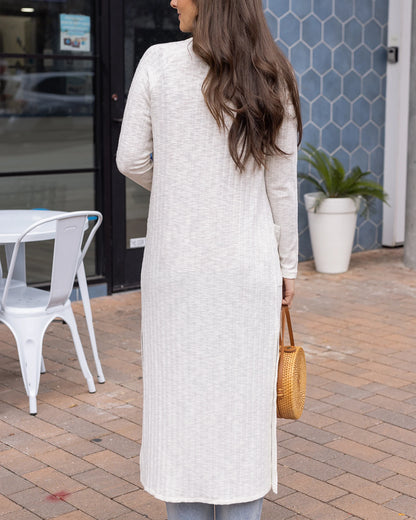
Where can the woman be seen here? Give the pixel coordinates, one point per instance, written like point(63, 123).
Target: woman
point(211, 127)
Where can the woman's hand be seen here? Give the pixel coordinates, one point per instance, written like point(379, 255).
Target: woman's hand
point(288, 291)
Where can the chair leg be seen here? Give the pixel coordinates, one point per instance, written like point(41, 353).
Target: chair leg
point(29, 347)
point(82, 281)
point(33, 406)
point(70, 320)
point(42, 366)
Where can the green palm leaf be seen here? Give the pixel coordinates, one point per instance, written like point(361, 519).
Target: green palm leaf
point(334, 182)
point(311, 179)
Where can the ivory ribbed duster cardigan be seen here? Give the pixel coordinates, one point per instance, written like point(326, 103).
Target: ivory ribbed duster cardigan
point(217, 245)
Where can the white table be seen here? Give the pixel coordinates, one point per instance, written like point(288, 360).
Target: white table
point(13, 222)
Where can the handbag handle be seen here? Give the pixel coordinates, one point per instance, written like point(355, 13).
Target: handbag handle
point(285, 318)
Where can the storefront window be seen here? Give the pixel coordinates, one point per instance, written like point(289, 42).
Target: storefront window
point(46, 85)
point(47, 110)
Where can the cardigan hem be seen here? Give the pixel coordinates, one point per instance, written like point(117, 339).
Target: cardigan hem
point(205, 500)
point(292, 275)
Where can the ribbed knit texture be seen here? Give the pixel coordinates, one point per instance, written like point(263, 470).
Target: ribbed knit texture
point(217, 244)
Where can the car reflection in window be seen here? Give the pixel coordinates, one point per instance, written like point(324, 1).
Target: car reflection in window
point(47, 94)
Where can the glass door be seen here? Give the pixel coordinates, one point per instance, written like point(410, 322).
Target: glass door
point(144, 24)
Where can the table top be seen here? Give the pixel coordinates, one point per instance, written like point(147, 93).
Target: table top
point(13, 222)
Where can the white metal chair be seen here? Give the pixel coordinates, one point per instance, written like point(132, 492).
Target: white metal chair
point(28, 311)
point(14, 282)
point(20, 273)
point(19, 278)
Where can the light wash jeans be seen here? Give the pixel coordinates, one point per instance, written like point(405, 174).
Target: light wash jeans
point(201, 511)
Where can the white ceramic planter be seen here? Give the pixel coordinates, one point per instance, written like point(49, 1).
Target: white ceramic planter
point(332, 229)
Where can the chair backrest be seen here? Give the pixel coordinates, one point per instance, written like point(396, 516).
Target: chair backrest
point(67, 254)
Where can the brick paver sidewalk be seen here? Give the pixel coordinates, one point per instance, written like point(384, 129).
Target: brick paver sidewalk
point(352, 455)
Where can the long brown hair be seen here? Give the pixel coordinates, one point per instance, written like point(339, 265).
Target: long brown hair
point(249, 77)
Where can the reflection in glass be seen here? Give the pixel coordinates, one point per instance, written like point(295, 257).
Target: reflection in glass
point(46, 115)
point(63, 192)
point(41, 31)
point(146, 23)
point(39, 91)
point(137, 206)
point(46, 103)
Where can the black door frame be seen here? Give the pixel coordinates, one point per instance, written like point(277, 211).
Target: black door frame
point(123, 265)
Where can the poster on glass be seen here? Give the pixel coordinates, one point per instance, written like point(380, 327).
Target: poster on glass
point(75, 32)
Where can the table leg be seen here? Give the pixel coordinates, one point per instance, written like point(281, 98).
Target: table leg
point(20, 266)
point(82, 282)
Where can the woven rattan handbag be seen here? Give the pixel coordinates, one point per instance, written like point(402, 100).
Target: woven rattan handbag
point(291, 378)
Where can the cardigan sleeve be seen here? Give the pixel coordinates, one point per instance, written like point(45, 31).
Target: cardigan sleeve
point(281, 187)
point(136, 141)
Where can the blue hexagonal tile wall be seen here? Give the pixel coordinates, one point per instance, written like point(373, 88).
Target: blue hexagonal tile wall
point(353, 33)
point(333, 32)
point(332, 85)
point(321, 112)
point(371, 86)
point(361, 111)
point(378, 111)
point(272, 23)
point(301, 7)
point(352, 85)
point(377, 162)
point(367, 235)
point(332, 137)
point(311, 30)
point(289, 29)
point(323, 9)
point(344, 10)
point(344, 157)
point(341, 111)
point(363, 9)
point(370, 136)
point(311, 85)
point(311, 133)
point(342, 59)
point(372, 34)
point(381, 11)
point(322, 58)
point(301, 54)
point(305, 109)
point(360, 158)
point(279, 7)
point(362, 60)
point(351, 137)
point(338, 50)
point(379, 60)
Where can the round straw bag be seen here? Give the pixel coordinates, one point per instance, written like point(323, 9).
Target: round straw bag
point(291, 377)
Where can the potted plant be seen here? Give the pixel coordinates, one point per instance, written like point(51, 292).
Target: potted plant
point(332, 209)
